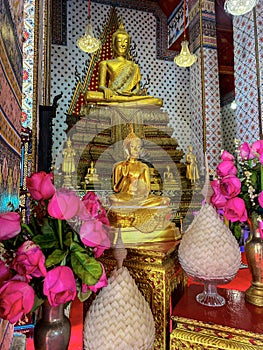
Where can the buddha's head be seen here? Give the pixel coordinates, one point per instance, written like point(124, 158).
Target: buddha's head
point(132, 144)
point(120, 41)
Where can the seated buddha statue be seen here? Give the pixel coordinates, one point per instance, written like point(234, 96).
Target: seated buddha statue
point(132, 205)
point(91, 175)
point(119, 78)
point(131, 178)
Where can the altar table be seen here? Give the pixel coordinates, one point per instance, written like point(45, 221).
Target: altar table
point(236, 325)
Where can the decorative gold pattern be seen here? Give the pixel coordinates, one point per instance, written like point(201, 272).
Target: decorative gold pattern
point(193, 334)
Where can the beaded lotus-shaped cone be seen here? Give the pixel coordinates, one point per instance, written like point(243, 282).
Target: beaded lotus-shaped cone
point(119, 318)
point(209, 253)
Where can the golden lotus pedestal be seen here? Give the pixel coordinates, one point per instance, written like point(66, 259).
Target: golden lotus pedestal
point(237, 325)
point(159, 277)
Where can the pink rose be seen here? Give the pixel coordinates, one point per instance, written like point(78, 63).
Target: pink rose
point(230, 186)
point(40, 185)
point(260, 199)
point(260, 228)
point(9, 225)
point(245, 151)
point(257, 148)
point(16, 300)
point(235, 210)
point(93, 234)
point(64, 204)
point(102, 282)
point(91, 208)
point(225, 168)
point(29, 260)
point(4, 272)
point(217, 199)
point(227, 156)
point(60, 285)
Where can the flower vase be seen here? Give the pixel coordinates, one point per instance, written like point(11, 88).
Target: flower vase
point(52, 331)
point(254, 255)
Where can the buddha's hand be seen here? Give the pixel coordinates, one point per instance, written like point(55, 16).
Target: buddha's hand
point(108, 93)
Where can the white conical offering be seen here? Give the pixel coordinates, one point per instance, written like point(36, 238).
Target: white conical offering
point(208, 249)
point(119, 318)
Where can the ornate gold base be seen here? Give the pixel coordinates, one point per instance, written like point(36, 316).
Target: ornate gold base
point(132, 237)
point(254, 294)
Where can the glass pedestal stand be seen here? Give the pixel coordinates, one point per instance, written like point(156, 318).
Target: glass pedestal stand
point(210, 296)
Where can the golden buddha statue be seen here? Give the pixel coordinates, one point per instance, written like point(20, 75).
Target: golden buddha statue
point(168, 176)
point(91, 175)
point(132, 206)
point(192, 172)
point(119, 78)
point(68, 164)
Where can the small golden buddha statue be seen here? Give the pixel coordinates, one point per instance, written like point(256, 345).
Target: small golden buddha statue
point(132, 206)
point(168, 176)
point(91, 175)
point(68, 163)
point(119, 78)
point(192, 172)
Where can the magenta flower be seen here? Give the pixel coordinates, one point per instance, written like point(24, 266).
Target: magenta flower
point(9, 225)
point(260, 199)
point(227, 156)
point(16, 300)
point(60, 285)
point(94, 234)
point(29, 260)
point(230, 186)
point(91, 208)
point(64, 205)
point(235, 210)
point(40, 185)
point(257, 148)
point(226, 168)
point(4, 272)
point(245, 151)
point(217, 199)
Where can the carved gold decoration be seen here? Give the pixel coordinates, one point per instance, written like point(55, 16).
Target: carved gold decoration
point(192, 334)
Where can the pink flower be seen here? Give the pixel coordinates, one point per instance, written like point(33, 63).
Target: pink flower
point(217, 199)
point(29, 260)
point(4, 272)
point(257, 148)
point(245, 151)
point(227, 156)
point(16, 299)
point(9, 225)
point(40, 185)
point(230, 186)
point(59, 285)
point(260, 199)
point(64, 204)
point(102, 282)
point(93, 209)
point(93, 234)
point(235, 210)
point(225, 168)
point(260, 228)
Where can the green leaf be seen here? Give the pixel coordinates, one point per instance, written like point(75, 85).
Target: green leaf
point(84, 296)
point(56, 257)
point(87, 268)
point(37, 302)
point(68, 239)
point(47, 238)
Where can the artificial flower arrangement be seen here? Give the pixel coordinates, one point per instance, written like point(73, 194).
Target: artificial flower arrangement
point(54, 255)
point(238, 189)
